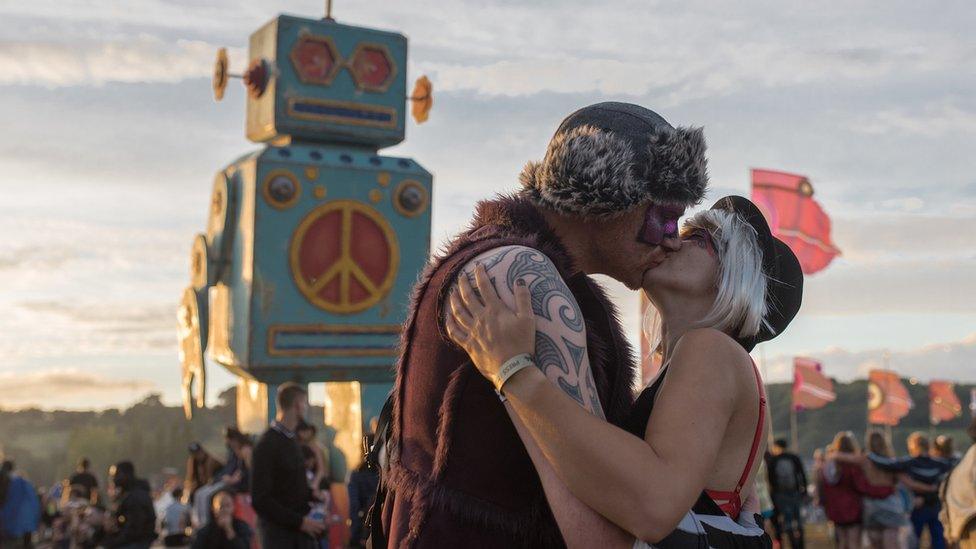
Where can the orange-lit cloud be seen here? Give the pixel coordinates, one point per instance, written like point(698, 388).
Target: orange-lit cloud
point(67, 388)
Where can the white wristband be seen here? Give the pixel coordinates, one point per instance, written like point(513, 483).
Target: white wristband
point(511, 367)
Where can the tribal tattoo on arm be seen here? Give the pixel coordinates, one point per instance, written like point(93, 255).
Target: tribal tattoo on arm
point(560, 339)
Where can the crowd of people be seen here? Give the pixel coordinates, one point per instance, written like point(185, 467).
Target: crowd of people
point(245, 501)
point(873, 498)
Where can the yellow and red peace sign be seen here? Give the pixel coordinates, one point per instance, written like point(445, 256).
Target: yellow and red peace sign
point(344, 257)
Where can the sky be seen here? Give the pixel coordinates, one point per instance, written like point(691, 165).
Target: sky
point(111, 140)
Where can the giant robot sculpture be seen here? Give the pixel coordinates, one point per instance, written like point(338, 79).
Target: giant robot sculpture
point(314, 241)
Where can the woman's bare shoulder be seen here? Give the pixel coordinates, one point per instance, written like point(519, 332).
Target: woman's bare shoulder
point(714, 353)
point(713, 342)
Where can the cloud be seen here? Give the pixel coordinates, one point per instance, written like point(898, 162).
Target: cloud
point(933, 119)
point(34, 258)
point(489, 49)
point(893, 287)
point(951, 361)
point(889, 237)
point(120, 317)
point(75, 286)
point(680, 74)
point(142, 58)
point(66, 388)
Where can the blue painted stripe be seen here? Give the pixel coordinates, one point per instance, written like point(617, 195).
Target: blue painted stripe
point(337, 341)
point(343, 112)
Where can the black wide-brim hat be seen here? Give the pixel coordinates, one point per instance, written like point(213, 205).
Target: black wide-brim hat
point(784, 289)
point(606, 158)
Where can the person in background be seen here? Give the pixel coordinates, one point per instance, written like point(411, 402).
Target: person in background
point(884, 517)
point(958, 495)
point(279, 489)
point(223, 531)
point(20, 508)
point(320, 469)
point(243, 508)
point(200, 470)
point(83, 477)
point(362, 491)
point(176, 520)
point(815, 488)
point(944, 448)
point(363, 483)
point(323, 507)
point(788, 489)
point(927, 472)
point(843, 485)
point(132, 524)
point(79, 522)
point(239, 481)
point(338, 473)
point(228, 476)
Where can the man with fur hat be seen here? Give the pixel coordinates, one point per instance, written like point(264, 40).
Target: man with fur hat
point(605, 200)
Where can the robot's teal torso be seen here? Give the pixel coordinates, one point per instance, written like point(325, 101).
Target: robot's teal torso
point(314, 242)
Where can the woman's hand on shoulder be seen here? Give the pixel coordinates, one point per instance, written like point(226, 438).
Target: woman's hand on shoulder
point(485, 327)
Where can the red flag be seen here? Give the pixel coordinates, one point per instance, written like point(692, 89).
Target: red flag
point(888, 399)
point(811, 388)
point(944, 405)
point(795, 217)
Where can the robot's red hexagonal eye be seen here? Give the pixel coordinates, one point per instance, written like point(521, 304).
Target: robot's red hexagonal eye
point(372, 67)
point(315, 59)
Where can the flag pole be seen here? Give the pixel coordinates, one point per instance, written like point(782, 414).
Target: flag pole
point(762, 365)
point(972, 403)
point(794, 434)
point(884, 365)
point(867, 410)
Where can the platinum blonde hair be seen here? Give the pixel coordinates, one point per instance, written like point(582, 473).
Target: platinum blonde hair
point(740, 305)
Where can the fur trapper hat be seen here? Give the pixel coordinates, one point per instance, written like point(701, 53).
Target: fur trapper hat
point(608, 157)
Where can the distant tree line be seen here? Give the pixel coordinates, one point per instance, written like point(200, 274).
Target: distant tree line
point(816, 428)
point(46, 445)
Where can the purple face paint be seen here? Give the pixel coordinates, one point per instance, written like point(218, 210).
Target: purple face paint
point(660, 222)
point(702, 239)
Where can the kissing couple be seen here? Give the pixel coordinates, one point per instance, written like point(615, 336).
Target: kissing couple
point(515, 415)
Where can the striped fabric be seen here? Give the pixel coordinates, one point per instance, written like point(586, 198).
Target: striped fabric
point(718, 531)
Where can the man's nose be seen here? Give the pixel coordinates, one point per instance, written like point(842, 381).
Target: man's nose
point(671, 243)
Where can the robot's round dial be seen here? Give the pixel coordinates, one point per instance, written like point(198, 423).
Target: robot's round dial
point(281, 189)
point(410, 198)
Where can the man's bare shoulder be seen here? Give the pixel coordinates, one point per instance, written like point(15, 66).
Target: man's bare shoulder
point(506, 264)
